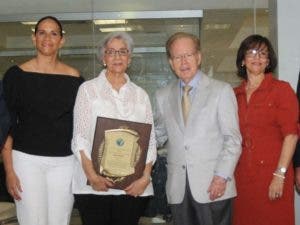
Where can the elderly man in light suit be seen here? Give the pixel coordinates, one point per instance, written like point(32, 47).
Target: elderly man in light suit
point(203, 144)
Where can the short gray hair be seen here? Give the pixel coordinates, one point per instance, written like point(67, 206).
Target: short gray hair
point(114, 35)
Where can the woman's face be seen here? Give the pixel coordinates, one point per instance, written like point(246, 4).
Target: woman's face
point(116, 56)
point(256, 60)
point(47, 39)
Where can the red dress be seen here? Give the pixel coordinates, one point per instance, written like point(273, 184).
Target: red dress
point(270, 115)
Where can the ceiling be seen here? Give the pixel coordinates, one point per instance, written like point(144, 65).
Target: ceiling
point(10, 9)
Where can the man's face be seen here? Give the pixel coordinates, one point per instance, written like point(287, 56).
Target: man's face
point(185, 59)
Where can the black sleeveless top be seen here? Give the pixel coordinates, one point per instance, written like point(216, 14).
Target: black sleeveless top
point(41, 110)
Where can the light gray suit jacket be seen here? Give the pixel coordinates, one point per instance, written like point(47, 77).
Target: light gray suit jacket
point(209, 144)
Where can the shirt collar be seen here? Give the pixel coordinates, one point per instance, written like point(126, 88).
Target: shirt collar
point(103, 76)
point(265, 84)
point(194, 82)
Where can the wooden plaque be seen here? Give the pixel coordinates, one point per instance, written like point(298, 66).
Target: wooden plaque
point(113, 136)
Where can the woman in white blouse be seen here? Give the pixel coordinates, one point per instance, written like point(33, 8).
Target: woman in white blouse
point(112, 95)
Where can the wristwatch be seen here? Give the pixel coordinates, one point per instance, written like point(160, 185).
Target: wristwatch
point(281, 170)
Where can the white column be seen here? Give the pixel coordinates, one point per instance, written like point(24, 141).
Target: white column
point(288, 39)
point(287, 31)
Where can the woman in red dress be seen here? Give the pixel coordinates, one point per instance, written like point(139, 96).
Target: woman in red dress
point(268, 113)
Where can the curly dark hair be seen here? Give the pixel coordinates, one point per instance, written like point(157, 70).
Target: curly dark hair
point(255, 41)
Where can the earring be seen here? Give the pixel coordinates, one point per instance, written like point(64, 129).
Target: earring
point(104, 64)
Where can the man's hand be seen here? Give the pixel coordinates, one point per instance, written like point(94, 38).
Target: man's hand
point(217, 187)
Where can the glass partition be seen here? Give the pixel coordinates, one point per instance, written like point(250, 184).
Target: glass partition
point(220, 30)
point(149, 67)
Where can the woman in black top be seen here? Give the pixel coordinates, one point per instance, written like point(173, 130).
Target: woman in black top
point(38, 161)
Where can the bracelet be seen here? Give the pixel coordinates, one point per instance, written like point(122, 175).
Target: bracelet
point(279, 175)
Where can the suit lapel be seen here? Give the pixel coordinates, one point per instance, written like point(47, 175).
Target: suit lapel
point(175, 104)
point(199, 99)
point(198, 104)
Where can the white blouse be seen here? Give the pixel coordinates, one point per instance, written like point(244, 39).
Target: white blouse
point(95, 98)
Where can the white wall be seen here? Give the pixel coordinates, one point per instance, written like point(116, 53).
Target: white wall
point(288, 31)
point(288, 19)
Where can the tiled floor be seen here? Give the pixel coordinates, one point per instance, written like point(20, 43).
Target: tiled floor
point(144, 221)
point(153, 221)
point(75, 220)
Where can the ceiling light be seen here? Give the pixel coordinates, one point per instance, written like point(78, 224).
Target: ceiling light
point(112, 29)
point(33, 30)
point(103, 22)
point(217, 26)
point(29, 23)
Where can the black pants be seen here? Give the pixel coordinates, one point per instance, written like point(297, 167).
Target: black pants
point(110, 209)
point(190, 212)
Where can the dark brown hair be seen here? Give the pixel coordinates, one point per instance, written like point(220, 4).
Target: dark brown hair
point(255, 41)
point(50, 18)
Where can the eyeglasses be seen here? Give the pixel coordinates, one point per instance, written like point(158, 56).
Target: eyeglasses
point(186, 56)
point(113, 52)
point(251, 53)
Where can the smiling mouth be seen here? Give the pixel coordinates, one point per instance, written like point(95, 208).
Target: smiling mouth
point(257, 64)
point(184, 69)
point(47, 45)
point(118, 64)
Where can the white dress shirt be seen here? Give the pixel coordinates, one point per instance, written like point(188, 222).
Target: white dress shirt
point(95, 98)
